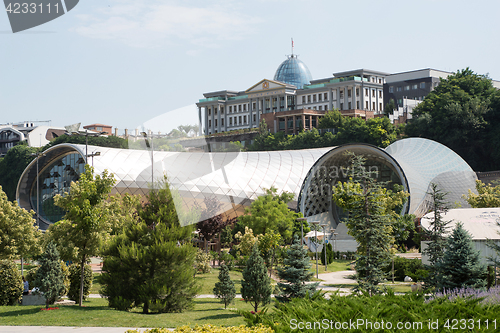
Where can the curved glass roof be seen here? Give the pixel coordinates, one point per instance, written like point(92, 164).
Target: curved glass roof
point(293, 71)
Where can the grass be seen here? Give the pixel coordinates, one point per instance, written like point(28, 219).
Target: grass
point(207, 281)
point(96, 313)
point(335, 266)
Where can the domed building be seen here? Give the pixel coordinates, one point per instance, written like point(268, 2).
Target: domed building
point(294, 72)
point(292, 101)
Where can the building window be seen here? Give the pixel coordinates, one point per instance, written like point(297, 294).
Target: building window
point(209, 112)
point(357, 105)
point(319, 97)
point(308, 98)
point(254, 119)
point(380, 81)
point(230, 109)
point(373, 93)
point(341, 95)
point(366, 105)
point(349, 104)
point(422, 85)
point(391, 89)
point(221, 110)
point(341, 106)
point(254, 105)
point(357, 92)
point(400, 102)
point(398, 89)
point(244, 107)
point(314, 108)
point(326, 107)
point(215, 122)
point(239, 108)
point(215, 131)
point(230, 120)
point(244, 119)
point(380, 93)
point(320, 108)
point(415, 86)
point(366, 92)
point(239, 120)
point(314, 98)
point(380, 106)
point(326, 96)
point(303, 99)
point(209, 122)
point(222, 122)
point(348, 92)
point(373, 106)
point(407, 87)
point(215, 111)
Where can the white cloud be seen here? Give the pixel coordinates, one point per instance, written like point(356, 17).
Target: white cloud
point(156, 23)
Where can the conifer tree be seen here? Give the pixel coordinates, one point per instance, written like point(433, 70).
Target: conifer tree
point(256, 285)
point(224, 289)
point(50, 277)
point(437, 229)
point(151, 263)
point(295, 272)
point(369, 222)
point(461, 265)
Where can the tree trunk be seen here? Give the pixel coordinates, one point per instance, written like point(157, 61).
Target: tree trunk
point(82, 273)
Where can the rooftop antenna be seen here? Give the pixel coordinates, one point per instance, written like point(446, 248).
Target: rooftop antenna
point(292, 47)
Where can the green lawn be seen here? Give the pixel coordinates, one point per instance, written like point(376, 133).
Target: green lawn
point(335, 266)
point(97, 313)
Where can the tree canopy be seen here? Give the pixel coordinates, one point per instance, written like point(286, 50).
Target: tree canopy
point(18, 235)
point(463, 113)
point(12, 167)
point(487, 196)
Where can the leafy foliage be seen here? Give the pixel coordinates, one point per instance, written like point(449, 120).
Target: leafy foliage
point(74, 278)
point(270, 212)
point(462, 113)
point(247, 241)
point(460, 266)
point(407, 267)
point(208, 328)
point(18, 235)
point(85, 225)
point(50, 277)
point(256, 285)
point(295, 272)
point(101, 141)
point(11, 284)
point(212, 222)
point(488, 196)
point(12, 167)
point(202, 262)
point(224, 289)
point(151, 263)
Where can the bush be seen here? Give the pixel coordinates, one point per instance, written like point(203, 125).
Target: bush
point(329, 254)
point(202, 262)
point(407, 267)
point(74, 282)
point(226, 259)
point(11, 283)
point(207, 328)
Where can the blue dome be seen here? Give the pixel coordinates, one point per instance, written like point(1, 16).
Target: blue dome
point(293, 71)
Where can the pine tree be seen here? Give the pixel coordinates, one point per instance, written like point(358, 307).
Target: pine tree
point(151, 263)
point(369, 222)
point(295, 272)
point(256, 285)
point(437, 229)
point(50, 277)
point(461, 265)
point(224, 289)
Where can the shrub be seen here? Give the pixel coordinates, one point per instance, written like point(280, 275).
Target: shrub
point(11, 283)
point(50, 277)
point(74, 282)
point(407, 267)
point(207, 328)
point(31, 274)
point(202, 262)
point(329, 254)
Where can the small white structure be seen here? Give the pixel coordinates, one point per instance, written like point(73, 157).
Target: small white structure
point(481, 223)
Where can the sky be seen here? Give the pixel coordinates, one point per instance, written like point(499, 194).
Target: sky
point(145, 63)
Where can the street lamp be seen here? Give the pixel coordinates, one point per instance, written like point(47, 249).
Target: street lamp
point(302, 219)
point(145, 135)
point(323, 225)
point(96, 153)
point(315, 223)
point(37, 154)
point(87, 134)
